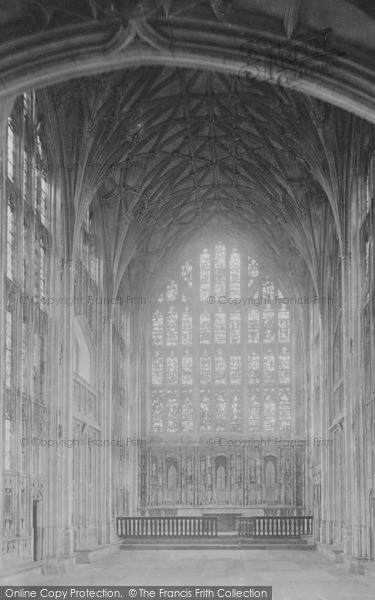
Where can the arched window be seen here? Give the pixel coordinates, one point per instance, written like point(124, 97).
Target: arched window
point(220, 347)
point(9, 431)
point(11, 231)
point(11, 149)
point(42, 267)
point(9, 348)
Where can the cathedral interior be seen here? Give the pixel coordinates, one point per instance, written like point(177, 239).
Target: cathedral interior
point(188, 295)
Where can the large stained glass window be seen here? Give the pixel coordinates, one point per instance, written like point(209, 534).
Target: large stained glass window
point(220, 347)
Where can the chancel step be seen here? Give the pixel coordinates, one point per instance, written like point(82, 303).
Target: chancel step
point(219, 543)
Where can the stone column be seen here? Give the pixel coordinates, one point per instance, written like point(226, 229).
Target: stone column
point(351, 514)
point(59, 531)
point(107, 531)
point(326, 500)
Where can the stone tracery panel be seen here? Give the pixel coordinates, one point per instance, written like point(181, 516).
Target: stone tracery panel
point(199, 477)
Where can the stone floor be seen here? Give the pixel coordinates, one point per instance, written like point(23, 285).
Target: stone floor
point(294, 575)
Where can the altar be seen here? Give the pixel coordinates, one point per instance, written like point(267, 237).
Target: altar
point(227, 521)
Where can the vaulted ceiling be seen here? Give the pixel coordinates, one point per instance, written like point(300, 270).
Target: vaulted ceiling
point(168, 154)
point(178, 126)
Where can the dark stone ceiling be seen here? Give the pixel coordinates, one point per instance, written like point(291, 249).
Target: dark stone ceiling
point(349, 18)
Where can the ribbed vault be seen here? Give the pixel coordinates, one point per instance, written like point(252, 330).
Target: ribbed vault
point(166, 153)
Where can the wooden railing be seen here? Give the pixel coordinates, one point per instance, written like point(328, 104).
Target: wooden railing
point(274, 526)
point(166, 526)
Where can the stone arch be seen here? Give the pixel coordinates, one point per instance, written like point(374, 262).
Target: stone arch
point(99, 47)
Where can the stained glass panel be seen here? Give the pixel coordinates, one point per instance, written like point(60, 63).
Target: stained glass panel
point(157, 369)
point(187, 368)
point(187, 411)
point(157, 327)
point(8, 348)
point(205, 368)
point(235, 327)
point(172, 327)
point(253, 325)
point(187, 272)
point(220, 327)
point(157, 411)
point(268, 290)
point(205, 411)
point(269, 409)
point(220, 368)
point(172, 291)
point(235, 369)
point(172, 410)
point(172, 369)
point(187, 327)
point(10, 240)
point(42, 267)
point(220, 411)
point(269, 366)
point(220, 271)
point(283, 325)
point(205, 328)
point(252, 271)
point(254, 410)
point(205, 275)
point(284, 366)
point(285, 420)
point(235, 274)
point(235, 419)
point(10, 150)
point(268, 324)
point(254, 367)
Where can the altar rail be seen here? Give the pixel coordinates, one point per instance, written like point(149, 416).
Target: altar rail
point(166, 526)
point(275, 526)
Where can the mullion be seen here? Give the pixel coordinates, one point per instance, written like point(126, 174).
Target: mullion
point(244, 345)
point(227, 352)
point(213, 340)
point(277, 353)
point(195, 313)
point(180, 350)
point(164, 354)
point(261, 358)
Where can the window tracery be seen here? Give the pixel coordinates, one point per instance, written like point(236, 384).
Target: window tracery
point(220, 366)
